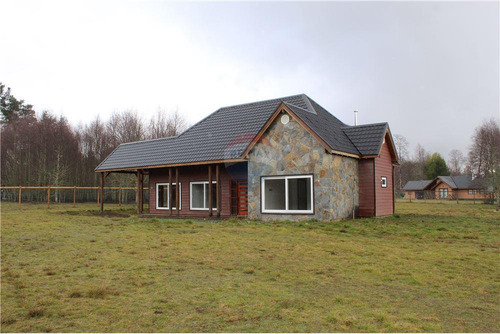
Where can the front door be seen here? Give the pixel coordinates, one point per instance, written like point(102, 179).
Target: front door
point(242, 189)
point(239, 198)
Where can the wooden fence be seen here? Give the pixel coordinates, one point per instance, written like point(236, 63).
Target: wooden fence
point(74, 188)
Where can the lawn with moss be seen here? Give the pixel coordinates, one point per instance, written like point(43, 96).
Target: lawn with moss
point(432, 267)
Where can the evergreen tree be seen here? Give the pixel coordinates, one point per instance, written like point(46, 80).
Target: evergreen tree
point(435, 166)
point(11, 108)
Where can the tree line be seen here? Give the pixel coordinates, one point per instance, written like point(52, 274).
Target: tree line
point(40, 149)
point(482, 159)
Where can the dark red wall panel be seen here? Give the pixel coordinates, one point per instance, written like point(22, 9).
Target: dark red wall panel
point(384, 196)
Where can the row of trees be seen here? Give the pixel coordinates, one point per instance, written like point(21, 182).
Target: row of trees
point(482, 159)
point(44, 149)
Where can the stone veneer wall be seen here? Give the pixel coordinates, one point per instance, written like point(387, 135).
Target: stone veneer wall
point(291, 149)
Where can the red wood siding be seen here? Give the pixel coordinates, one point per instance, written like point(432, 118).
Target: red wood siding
point(366, 191)
point(186, 175)
point(384, 196)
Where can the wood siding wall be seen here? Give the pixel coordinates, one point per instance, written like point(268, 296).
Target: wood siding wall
point(366, 191)
point(186, 175)
point(464, 194)
point(384, 196)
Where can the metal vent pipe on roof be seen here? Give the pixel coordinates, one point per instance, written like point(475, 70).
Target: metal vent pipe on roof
point(355, 117)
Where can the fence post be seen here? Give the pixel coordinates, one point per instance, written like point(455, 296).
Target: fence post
point(19, 196)
point(120, 196)
point(74, 196)
point(97, 196)
point(48, 197)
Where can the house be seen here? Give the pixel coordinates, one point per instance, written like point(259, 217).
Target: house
point(448, 187)
point(415, 189)
point(285, 158)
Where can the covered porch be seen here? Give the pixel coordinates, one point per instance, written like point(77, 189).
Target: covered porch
point(210, 190)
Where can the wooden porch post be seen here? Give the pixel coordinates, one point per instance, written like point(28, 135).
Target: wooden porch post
point(102, 194)
point(139, 191)
point(210, 190)
point(170, 190)
point(217, 189)
point(120, 196)
point(177, 199)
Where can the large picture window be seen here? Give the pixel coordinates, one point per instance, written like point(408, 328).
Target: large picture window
point(165, 199)
point(199, 196)
point(287, 194)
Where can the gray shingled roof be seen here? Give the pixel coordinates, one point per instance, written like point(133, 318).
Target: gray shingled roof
point(226, 133)
point(455, 182)
point(481, 183)
point(367, 138)
point(416, 185)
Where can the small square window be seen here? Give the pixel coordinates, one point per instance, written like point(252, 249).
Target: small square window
point(384, 182)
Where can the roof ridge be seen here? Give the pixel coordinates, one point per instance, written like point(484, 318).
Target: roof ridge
point(364, 125)
point(295, 106)
point(261, 101)
point(235, 105)
point(309, 104)
point(319, 105)
point(148, 140)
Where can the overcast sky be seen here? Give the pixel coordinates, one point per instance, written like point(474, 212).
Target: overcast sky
point(430, 69)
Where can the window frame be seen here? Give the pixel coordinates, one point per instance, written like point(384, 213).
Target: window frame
point(286, 178)
point(205, 193)
point(168, 196)
point(383, 182)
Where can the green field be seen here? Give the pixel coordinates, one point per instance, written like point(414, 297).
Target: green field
point(432, 267)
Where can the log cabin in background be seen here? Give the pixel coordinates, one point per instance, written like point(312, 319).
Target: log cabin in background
point(461, 187)
point(286, 158)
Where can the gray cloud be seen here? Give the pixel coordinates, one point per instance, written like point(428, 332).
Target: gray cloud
point(429, 68)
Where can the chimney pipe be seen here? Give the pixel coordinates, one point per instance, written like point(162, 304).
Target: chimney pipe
point(355, 117)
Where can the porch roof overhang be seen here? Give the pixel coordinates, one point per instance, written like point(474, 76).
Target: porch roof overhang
point(134, 170)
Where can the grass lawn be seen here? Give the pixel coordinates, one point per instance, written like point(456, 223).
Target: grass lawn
point(433, 267)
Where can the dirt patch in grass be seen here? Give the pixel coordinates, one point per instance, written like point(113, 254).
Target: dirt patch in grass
point(107, 213)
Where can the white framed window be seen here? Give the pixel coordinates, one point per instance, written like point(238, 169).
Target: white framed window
point(198, 195)
point(163, 196)
point(287, 194)
point(384, 182)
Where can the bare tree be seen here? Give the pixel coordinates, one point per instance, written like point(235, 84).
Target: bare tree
point(158, 125)
point(484, 154)
point(164, 124)
point(456, 162)
point(176, 123)
point(402, 146)
point(421, 155)
point(126, 126)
